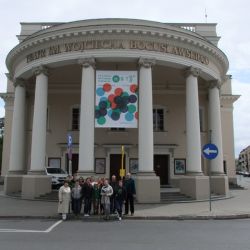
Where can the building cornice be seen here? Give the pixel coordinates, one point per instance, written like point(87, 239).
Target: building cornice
point(230, 98)
point(141, 30)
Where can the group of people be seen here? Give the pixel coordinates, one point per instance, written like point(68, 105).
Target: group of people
point(99, 197)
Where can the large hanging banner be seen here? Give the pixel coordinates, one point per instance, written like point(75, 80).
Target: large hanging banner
point(116, 99)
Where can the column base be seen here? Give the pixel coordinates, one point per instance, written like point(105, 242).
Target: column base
point(219, 185)
point(13, 183)
point(196, 187)
point(232, 180)
point(34, 186)
point(147, 187)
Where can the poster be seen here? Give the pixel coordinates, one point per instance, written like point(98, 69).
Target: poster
point(116, 99)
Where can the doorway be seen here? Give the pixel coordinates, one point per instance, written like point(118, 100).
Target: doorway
point(161, 166)
point(115, 165)
point(75, 158)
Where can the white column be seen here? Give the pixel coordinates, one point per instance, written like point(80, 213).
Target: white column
point(17, 146)
point(193, 140)
point(146, 141)
point(39, 130)
point(215, 127)
point(87, 117)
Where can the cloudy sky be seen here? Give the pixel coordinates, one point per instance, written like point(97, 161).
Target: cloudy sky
point(233, 20)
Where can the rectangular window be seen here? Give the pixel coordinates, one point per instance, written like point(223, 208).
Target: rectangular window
point(158, 119)
point(75, 118)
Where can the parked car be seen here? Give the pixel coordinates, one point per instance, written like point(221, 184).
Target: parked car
point(58, 176)
point(246, 174)
point(240, 172)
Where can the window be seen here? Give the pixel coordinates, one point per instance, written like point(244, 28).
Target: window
point(158, 119)
point(75, 118)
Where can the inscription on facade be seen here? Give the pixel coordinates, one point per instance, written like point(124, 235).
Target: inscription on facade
point(117, 44)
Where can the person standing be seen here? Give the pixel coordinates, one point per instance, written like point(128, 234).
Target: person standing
point(130, 190)
point(106, 192)
point(76, 195)
point(114, 185)
point(64, 196)
point(87, 196)
point(96, 198)
point(120, 196)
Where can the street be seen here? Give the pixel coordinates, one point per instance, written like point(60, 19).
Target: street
point(127, 234)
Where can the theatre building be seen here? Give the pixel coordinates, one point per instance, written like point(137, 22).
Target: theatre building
point(158, 90)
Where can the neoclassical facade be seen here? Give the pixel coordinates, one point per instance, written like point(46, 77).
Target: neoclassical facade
point(184, 101)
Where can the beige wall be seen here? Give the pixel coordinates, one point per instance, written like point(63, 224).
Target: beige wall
point(168, 93)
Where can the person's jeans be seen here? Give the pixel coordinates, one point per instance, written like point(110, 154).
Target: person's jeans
point(87, 205)
point(76, 206)
point(112, 204)
point(129, 202)
point(118, 206)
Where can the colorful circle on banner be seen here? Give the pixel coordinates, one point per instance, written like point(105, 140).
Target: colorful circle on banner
point(125, 94)
point(131, 108)
point(101, 120)
point(136, 115)
point(129, 117)
point(111, 97)
point(116, 78)
point(107, 87)
point(103, 104)
point(132, 98)
point(103, 112)
point(115, 116)
point(124, 109)
point(133, 88)
point(110, 112)
point(100, 91)
point(104, 98)
point(97, 114)
point(118, 91)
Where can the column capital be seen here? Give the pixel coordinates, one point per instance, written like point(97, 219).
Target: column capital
point(87, 62)
point(146, 62)
point(214, 84)
point(19, 82)
point(40, 70)
point(192, 71)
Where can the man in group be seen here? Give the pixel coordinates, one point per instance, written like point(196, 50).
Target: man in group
point(87, 190)
point(114, 186)
point(130, 191)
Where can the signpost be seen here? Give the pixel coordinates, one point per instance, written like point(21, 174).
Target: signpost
point(122, 170)
point(210, 152)
point(70, 142)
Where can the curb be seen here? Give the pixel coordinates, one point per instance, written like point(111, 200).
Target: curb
point(99, 219)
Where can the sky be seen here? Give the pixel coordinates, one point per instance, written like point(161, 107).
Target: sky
point(232, 17)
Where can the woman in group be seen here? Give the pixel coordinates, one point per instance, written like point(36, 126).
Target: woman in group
point(120, 198)
point(106, 192)
point(76, 196)
point(64, 196)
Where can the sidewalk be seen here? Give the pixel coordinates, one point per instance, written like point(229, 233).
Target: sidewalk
point(236, 207)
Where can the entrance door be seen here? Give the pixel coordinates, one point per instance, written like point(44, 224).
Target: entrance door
point(115, 165)
point(161, 165)
point(75, 158)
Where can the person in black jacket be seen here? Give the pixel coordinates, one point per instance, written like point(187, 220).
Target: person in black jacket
point(120, 197)
point(87, 190)
point(114, 185)
point(130, 189)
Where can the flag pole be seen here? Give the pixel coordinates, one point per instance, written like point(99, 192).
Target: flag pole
point(122, 170)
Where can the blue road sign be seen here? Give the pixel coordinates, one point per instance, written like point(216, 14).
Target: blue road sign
point(210, 151)
point(69, 138)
